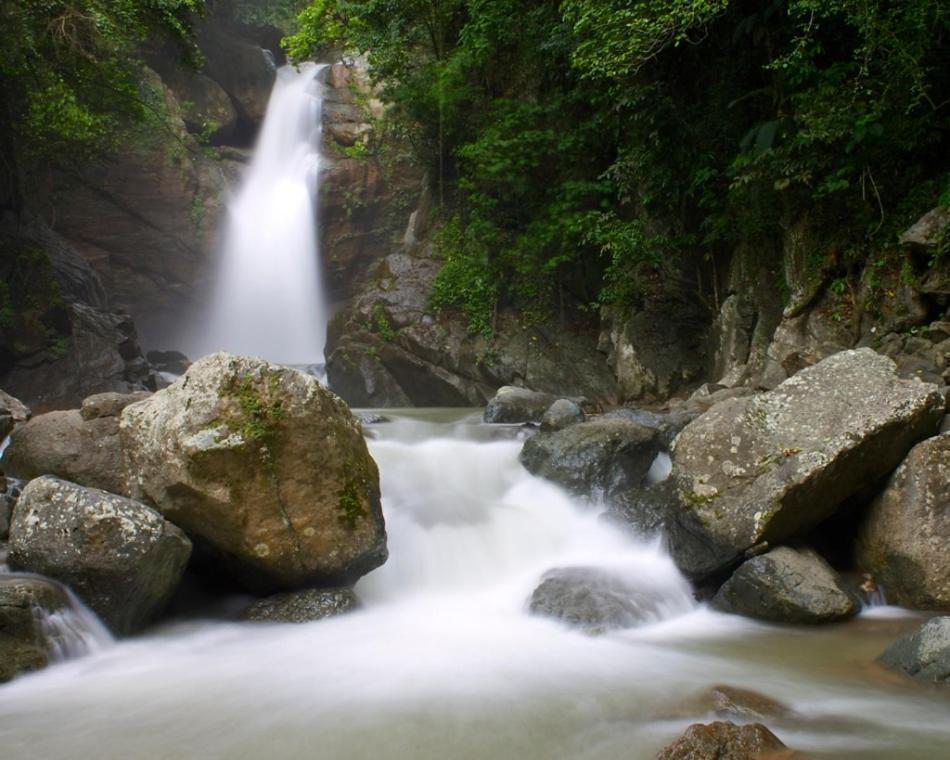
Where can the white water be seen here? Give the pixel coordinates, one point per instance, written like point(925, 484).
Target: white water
point(268, 300)
point(445, 661)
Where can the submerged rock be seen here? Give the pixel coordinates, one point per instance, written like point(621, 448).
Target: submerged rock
point(303, 606)
point(594, 458)
point(593, 600)
point(924, 654)
point(23, 644)
point(745, 704)
point(905, 539)
point(561, 414)
point(786, 586)
point(512, 404)
point(263, 464)
point(770, 467)
point(723, 740)
point(122, 557)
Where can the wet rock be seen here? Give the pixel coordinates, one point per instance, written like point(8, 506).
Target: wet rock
point(642, 510)
point(746, 705)
point(905, 538)
point(593, 458)
point(370, 418)
point(173, 362)
point(511, 404)
point(668, 424)
point(723, 740)
point(13, 412)
point(924, 654)
point(265, 465)
point(122, 557)
point(9, 493)
point(23, 644)
point(303, 606)
point(786, 586)
point(592, 600)
point(84, 450)
point(561, 414)
point(770, 467)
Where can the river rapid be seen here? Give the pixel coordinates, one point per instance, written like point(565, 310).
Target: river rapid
point(444, 660)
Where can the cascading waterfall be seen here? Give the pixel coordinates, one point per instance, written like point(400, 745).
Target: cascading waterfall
point(268, 300)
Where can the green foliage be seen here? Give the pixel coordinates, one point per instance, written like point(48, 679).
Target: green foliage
point(381, 325)
point(281, 14)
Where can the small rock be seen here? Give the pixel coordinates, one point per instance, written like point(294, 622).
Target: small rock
point(786, 586)
point(103, 405)
point(592, 600)
point(303, 606)
point(722, 740)
point(745, 704)
point(371, 418)
point(23, 645)
point(122, 557)
point(561, 414)
point(512, 404)
point(924, 654)
point(13, 412)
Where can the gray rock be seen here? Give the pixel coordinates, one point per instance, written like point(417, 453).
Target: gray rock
point(263, 464)
point(561, 414)
point(904, 541)
point(668, 424)
point(770, 467)
point(723, 740)
point(924, 654)
point(594, 458)
point(786, 586)
point(9, 493)
point(103, 405)
point(511, 405)
point(82, 450)
point(23, 644)
point(122, 557)
point(13, 412)
point(370, 418)
point(642, 510)
point(926, 232)
point(592, 600)
point(174, 362)
point(303, 606)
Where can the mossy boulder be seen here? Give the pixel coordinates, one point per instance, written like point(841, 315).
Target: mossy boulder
point(768, 468)
point(263, 465)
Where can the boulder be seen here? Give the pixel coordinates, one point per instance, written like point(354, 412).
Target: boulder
point(642, 510)
point(122, 557)
point(595, 458)
point(593, 600)
point(24, 645)
point(511, 405)
point(723, 740)
point(302, 606)
point(904, 540)
point(667, 425)
point(561, 414)
point(924, 654)
point(263, 464)
point(926, 233)
point(786, 586)
point(81, 446)
point(206, 109)
point(767, 468)
point(13, 412)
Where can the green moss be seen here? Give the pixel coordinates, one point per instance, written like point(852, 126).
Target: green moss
point(259, 411)
point(381, 325)
point(350, 505)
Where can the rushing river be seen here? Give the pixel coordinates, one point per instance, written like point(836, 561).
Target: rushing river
point(444, 661)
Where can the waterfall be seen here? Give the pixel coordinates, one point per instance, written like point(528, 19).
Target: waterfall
point(268, 299)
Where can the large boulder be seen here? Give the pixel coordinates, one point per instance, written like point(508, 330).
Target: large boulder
point(594, 458)
point(786, 586)
point(593, 600)
point(302, 606)
point(512, 404)
point(24, 645)
point(905, 538)
point(81, 446)
point(763, 469)
point(122, 557)
point(923, 654)
point(264, 465)
point(723, 740)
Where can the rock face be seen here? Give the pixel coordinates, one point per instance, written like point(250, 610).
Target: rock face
point(23, 645)
point(786, 586)
point(905, 539)
point(511, 404)
point(598, 457)
point(924, 655)
point(592, 600)
point(81, 446)
point(562, 414)
point(723, 740)
point(303, 606)
point(122, 557)
point(264, 465)
point(768, 467)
